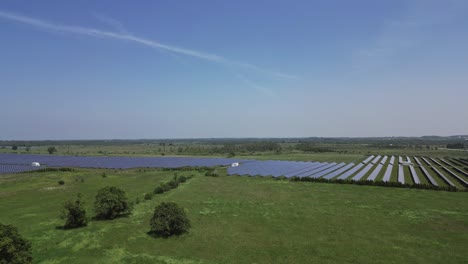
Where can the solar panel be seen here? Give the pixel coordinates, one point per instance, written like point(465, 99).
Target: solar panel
point(460, 179)
point(392, 160)
point(368, 159)
point(427, 161)
point(304, 169)
point(351, 171)
point(375, 159)
point(400, 159)
point(360, 174)
point(414, 175)
point(338, 172)
point(308, 173)
point(324, 172)
point(443, 177)
point(436, 162)
point(388, 172)
point(460, 171)
point(7, 169)
point(401, 174)
point(429, 176)
point(375, 172)
point(383, 160)
point(417, 161)
point(444, 161)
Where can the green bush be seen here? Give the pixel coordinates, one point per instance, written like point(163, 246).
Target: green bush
point(166, 187)
point(158, 190)
point(13, 248)
point(111, 202)
point(61, 182)
point(169, 219)
point(213, 173)
point(104, 175)
point(182, 179)
point(148, 196)
point(75, 214)
point(173, 184)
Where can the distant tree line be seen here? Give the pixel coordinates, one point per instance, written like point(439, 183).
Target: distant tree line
point(312, 147)
point(458, 145)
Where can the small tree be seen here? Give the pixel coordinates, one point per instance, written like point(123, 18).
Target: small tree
point(169, 219)
point(14, 147)
point(51, 150)
point(158, 190)
point(148, 196)
point(75, 213)
point(13, 248)
point(111, 202)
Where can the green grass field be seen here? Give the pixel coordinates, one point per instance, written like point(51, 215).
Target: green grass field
point(240, 220)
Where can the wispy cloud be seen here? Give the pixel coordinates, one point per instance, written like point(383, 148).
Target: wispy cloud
point(111, 22)
point(125, 36)
point(266, 91)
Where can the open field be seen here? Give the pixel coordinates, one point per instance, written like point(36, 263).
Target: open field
point(240, 220)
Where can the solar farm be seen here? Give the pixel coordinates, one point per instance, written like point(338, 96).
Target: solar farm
point(401, 169)
point(431, 171)
point(254, 211)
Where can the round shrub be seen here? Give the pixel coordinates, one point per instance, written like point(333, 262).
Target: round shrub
point(61, 182)
point(111, 202)
point(182, 179)
point(75, 214)
point(13, 248)
point(169, 219)
point(173, 184)
point(148, 196)
point(166, 187)
point(158, 190)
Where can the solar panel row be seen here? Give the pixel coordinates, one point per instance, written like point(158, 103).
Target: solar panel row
point(383, 160)
point(339, 171)
point(392, 160)
point(4, 169)
point(376, 159)
point(417, 161)
point(436, 162)
point(460, 171)
point(460, 179)
point(360, 174)
point(324, 172)
point(427, 161)
point(351, 171)
point(414, 175)
point(401, 174)
point(375, 172)
point(444, 161)
point(429, 176)
point(443, 176)
point(309, 173)
point(368, 159)
point(114, 162)
point(388, 172)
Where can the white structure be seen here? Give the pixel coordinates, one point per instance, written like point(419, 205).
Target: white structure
point(235, 164)
point(35, 164)
point(406, 163)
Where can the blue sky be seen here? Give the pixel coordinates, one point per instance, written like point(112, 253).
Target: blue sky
point(188, 69)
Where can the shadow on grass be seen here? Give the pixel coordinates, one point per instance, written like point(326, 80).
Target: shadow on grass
point(69, 228)
point(163, 235)
point(101, 218)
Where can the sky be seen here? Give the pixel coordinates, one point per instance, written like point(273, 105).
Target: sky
point(204, 69)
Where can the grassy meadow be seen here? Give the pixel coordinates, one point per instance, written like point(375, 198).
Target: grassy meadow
point(239, 220)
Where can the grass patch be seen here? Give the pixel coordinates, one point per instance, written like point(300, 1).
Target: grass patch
point(241, 220)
